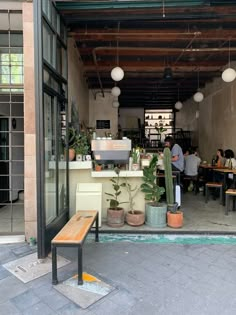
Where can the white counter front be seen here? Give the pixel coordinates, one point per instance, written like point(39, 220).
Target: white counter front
point(86, 175)
point(111, 173)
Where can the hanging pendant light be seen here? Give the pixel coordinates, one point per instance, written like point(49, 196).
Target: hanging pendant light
point(178, 105)
point(198, 96)
point(115, 102)
point(229, 74)
point(117, 73)
point(115, 91)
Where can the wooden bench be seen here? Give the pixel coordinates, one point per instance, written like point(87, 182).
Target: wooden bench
point(215, 185)
point(73, 234)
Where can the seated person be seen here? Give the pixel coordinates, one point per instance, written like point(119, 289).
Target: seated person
point(191, 165)
point(230, 161)
point(220, 160)
point(177, 159)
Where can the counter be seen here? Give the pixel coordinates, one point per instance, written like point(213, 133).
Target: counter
point(82, 173)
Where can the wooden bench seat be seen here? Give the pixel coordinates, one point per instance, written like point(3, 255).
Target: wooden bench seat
point(74, 234)
point(229, 193)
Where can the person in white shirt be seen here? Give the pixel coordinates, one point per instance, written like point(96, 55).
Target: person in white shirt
point(191, 165)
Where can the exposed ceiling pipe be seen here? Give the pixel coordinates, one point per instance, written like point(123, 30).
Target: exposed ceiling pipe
point(98, 74)
point(121, 34)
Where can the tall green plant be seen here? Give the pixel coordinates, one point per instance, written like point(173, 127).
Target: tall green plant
point(114, 198)
point(150, 187)
point(168, 176)
point(132, 192)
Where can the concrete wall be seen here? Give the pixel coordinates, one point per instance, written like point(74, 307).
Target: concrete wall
point(78, 93)
point(100, 108)
point(216, 126)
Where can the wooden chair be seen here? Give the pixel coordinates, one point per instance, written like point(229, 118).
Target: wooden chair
point(215, 185)
point(229, 193)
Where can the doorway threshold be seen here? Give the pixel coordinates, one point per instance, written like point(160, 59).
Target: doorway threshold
point(9, 239)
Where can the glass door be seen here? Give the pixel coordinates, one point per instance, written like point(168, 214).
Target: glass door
point(51, 93)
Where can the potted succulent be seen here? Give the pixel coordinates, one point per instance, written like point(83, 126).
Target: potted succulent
point(81, 146)
point(174, 216)
point(115, 213)
point(133, 217)
point(155, 212)
point(135, 159)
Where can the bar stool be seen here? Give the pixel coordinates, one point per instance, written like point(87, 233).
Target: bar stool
point(214, 185)
point(229, 193)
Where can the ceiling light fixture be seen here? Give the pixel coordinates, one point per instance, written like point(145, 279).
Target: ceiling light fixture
point(178, 104)
point(117, 73)
point(115, 102)
point(115, 91)
point(229, 74)
point(198, 96)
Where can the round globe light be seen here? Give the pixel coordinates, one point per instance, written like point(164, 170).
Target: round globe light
point(228, 75)
point(178, 105)
point(117, 74)
point(197, 114)
point(115, 91)
point(115, 104)
point(198, 97)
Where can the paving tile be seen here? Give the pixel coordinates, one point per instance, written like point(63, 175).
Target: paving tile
point(25, 300)
point(72, 309)
point(55, 300)
point(10, 287)
point(39, 309)
point(4, 273)
point(22, 250)
point(8, 308)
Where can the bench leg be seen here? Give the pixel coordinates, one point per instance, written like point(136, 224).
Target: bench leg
point(96, 230)
point(222, 195)
point(54, 265)
point(80, 266)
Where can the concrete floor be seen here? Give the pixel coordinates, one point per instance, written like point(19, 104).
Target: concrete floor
point(198, 217)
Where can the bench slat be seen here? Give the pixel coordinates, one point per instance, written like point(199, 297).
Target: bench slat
point(76, 228)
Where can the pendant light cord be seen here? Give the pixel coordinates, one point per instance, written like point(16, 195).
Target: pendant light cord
point(229, 53)
point(117, 45)
point(163, 9)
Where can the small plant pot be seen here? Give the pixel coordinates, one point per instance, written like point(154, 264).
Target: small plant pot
point(32, 241)
point(135, 167)
point(135, 218)
point(98, 168)
point(115, 217)
point(175, 220)
point(71, 154)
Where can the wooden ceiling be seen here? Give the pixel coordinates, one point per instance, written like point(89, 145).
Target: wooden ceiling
point(144, 37)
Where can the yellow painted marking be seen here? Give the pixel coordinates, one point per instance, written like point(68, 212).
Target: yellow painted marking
point(87, 277)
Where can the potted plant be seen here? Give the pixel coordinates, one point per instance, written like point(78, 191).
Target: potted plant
point(155, 212)
point(71, 141)
point(135, 159)
point(81, 146)
point(174, 216)
point(115, 214)
point(133, 217)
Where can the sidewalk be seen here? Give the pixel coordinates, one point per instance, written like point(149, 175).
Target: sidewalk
point(165, 279)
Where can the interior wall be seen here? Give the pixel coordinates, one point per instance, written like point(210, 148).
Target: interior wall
point(216, 126)
point(128, 117)
point(100, 108)
point(78, 92)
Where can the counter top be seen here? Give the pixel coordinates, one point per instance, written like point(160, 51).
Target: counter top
point(111, 173)
point(73, 165)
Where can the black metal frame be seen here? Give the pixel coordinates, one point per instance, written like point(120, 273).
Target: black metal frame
point(80, 253)
point(45, 233)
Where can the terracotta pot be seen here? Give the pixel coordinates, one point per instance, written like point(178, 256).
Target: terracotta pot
point(135, 167)
point(115, 217)
point(71, 154)
point(98, 168)
point(175, 220)
point(135, 219)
